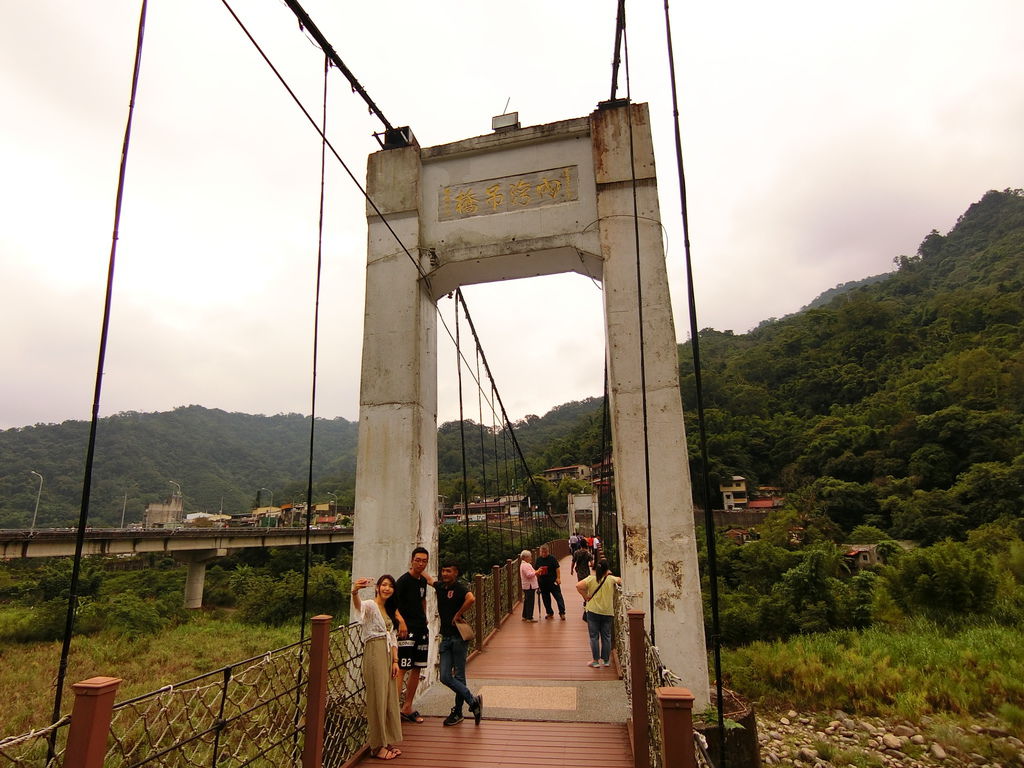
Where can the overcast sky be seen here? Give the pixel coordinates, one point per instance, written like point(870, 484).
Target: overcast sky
point(821, 140)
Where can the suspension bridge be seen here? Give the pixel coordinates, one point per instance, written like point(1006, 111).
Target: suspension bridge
point(579, 195)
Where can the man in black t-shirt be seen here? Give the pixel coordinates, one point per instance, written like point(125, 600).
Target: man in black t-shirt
point(413, 637)
point(454, 599)
point(550, 581)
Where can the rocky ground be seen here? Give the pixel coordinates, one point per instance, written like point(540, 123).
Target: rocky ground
point(839, 739)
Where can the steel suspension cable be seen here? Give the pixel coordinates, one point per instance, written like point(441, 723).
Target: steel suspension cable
point(620, 26)
point(497, 480)
point(331, 55)
point(316, 339)
point(709, 518)
point(504, 413)
point(640, 320)
point(462, 433)
point(601, 493)
point(83, 515)
point(483, 458)
point(419, 269)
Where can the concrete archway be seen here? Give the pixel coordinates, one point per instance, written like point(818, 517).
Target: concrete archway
point(525, 202)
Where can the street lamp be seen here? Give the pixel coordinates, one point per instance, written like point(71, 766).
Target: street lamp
point(180, 496)
point(268, 491)
point(332, 493)
point(38, 494)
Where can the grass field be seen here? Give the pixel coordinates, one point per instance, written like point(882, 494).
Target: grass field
point(28, 671)
point(920, 669)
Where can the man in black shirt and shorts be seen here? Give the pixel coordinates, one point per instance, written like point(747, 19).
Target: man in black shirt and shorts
point(413, 637)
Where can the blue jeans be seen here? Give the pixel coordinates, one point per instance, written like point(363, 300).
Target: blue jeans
point(453, 670)
point(600, 625)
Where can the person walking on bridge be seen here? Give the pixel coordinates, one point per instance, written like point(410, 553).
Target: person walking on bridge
point(380, 666)
point(600, 601)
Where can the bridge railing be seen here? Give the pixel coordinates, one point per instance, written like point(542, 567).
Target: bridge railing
point(30, 749)
point(661, 717)
point(253, 712)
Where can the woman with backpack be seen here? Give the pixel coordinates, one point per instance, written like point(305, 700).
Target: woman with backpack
point(598, 591)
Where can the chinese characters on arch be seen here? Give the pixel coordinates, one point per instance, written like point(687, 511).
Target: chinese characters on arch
point(508, 194)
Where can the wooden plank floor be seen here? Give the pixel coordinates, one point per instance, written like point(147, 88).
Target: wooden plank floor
point(548, 650)
point(551, 649)
point(497, 743)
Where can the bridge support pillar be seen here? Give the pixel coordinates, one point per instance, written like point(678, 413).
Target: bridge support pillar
point(396, 467)
point(196, 576)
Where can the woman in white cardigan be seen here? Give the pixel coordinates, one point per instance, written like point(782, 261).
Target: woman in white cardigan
point(380, 666)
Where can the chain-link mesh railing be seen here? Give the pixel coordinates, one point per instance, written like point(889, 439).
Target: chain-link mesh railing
point(249, 713)
point(345, 728)
point(656, 675)
point(30, 749)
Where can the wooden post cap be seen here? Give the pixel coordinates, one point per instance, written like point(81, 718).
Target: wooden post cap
point(96, 686)
point(675, 698)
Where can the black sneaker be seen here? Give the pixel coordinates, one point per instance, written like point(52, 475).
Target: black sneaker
point(454, 718)
point(477, 709)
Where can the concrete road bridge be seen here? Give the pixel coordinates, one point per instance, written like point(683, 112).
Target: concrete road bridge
point(195, 547)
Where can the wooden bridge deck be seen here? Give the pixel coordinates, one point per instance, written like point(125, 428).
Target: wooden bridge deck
point(535, 721)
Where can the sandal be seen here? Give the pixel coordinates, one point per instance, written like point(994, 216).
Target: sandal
point(411, 717)
point(385, 753)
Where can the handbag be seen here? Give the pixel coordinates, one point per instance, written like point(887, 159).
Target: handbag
point(466, 631)
point(593, 596)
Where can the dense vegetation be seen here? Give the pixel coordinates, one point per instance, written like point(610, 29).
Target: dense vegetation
point(221, 460)
point(899, 404)
point(893, 409)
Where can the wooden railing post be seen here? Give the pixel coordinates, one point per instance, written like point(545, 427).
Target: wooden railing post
point(675, 707)
point(496, 586)
point(316, 693)
point(638, 689)
point(90, 722)
point(511, 593)
point(481, 606)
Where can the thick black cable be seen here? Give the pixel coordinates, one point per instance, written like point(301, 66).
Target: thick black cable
point(620, 26)
point(316, 339)
point(483, 458)
point(307, 23)
point(419, 269)
point(83, 515)
point(497, 480)
point(709, 517)
point(504, 413)
point(462, 431)
point(640, 320)
point(601, 494)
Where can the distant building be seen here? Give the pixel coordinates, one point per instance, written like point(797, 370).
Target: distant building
point(496, 508)
point(168, 515)
point(734, 493)
point(583, 512)
point(575, 471)
point(861, 555)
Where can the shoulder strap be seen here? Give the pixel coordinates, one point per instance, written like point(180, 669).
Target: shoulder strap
point(603, 580)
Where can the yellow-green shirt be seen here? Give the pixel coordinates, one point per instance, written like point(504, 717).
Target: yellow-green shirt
point(601, 601)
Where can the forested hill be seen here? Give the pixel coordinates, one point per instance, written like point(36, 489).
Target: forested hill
point(222, 459)
point(214, 455)
point(898, 403)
